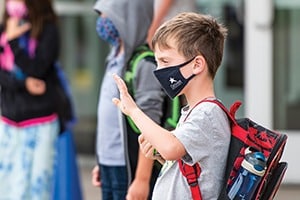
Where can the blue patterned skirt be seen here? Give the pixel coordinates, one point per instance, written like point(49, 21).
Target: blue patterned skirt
point(26, 160)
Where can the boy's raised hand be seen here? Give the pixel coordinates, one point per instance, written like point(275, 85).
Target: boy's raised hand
point(126, 104)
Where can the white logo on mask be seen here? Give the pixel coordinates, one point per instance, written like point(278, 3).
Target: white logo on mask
point(172, 80)
point(174, 83)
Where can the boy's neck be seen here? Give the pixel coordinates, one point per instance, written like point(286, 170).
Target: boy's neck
point(196, 94)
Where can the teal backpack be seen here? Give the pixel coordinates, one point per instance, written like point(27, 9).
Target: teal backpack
point(171, 107)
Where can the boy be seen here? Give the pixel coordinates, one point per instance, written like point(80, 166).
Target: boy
point(188, 50)
point(123, 171)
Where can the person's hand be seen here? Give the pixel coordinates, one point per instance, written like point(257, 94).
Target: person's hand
point(95, 176)
point(35, 86)
point(14, 29)
point(126, 104)
point(146, 148)
point(138, 190)
point(149, 151)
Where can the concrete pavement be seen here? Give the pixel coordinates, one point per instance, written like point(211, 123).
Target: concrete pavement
point(86, 164)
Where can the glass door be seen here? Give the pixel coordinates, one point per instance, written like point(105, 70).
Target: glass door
point(286, 68)
point(286, 80)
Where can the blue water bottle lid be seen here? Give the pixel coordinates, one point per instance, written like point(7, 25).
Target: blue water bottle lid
point(255, 162)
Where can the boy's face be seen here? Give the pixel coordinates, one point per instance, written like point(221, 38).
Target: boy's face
point(174, 71)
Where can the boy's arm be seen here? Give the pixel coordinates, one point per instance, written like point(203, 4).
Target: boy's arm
point(149, 98)
point(161, 139)
point(140, 188)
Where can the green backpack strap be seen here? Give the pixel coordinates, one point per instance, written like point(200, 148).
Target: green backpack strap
point(140, 53)
point(172, 120)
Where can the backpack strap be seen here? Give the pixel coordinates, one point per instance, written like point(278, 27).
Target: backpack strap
point(237, 130)
point(191, 173)
point(230, 114)
point(141, 52)
point(175, 112)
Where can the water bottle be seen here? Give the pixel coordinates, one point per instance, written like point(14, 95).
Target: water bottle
point(248, 177)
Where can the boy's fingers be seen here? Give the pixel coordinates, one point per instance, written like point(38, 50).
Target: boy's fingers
point(120, 83)
point(141, 139)
point(146, 146)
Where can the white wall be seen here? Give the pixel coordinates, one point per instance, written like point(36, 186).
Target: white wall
point(258, 61)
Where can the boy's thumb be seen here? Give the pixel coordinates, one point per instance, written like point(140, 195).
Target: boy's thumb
point(116, 101)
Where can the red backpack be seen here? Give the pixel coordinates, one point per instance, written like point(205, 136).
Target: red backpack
point(245, 133)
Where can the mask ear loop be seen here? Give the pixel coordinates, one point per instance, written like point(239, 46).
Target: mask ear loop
point(192, 76)
point(185, 63)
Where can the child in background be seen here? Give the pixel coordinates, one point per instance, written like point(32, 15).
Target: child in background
point(29, 123)
point(122, 171)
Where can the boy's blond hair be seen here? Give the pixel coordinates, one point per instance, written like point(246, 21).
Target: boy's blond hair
point(194, 34)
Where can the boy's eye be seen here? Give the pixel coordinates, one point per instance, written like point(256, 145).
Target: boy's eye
point(162, 64)
point(164, 61)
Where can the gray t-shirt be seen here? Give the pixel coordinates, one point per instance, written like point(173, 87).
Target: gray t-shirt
point(205, 135)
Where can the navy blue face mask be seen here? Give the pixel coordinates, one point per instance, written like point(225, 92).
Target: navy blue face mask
point(171, 79)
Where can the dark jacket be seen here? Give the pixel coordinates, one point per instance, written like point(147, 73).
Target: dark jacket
point(17, 104)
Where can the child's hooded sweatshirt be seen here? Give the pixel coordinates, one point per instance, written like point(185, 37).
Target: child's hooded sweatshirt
point(132, 19)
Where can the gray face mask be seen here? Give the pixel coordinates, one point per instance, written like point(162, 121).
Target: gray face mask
point(171, 79)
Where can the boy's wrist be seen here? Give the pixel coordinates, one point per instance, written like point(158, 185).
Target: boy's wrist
point(135, 113)
point(143, 177)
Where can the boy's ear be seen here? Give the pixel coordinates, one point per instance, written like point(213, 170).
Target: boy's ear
point(199, 64)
